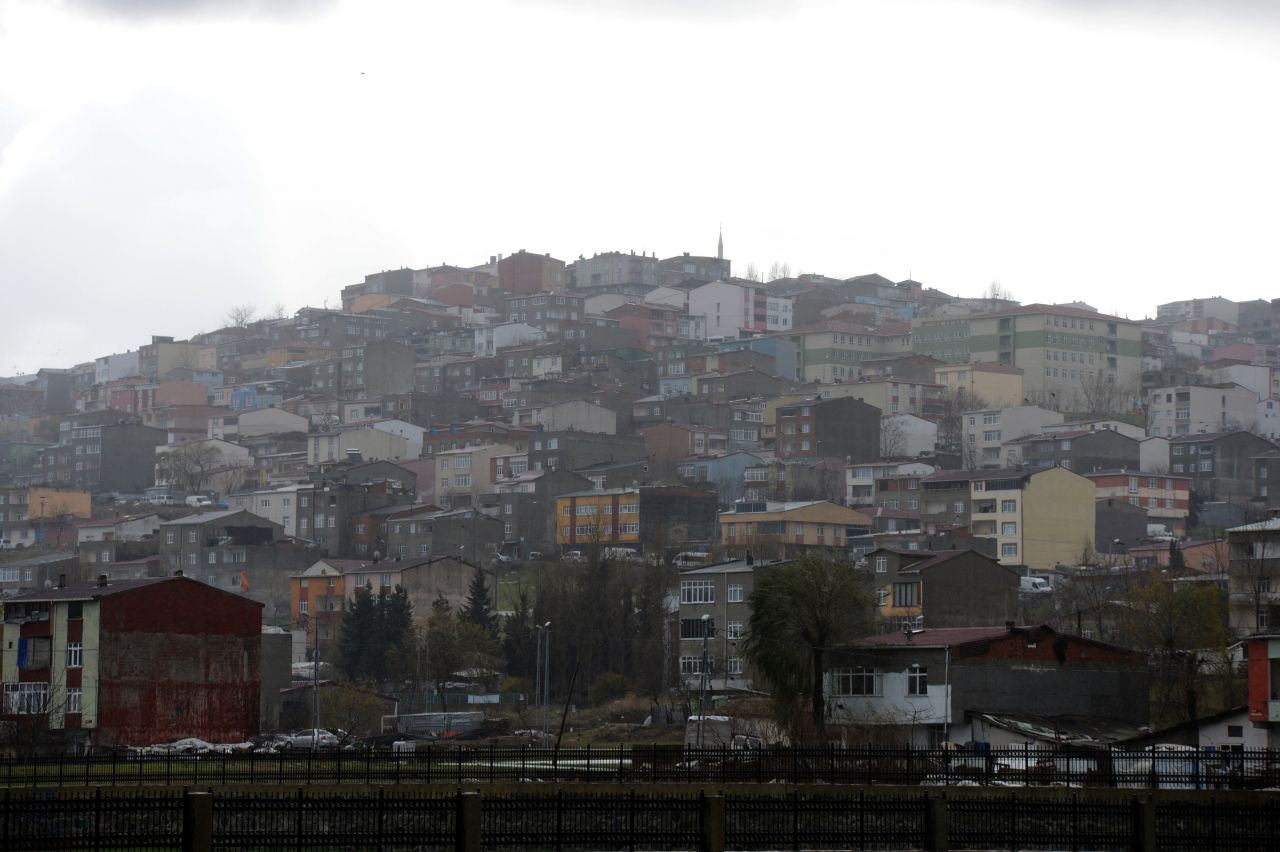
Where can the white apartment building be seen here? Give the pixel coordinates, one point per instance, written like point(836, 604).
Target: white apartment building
point(987, 431)
point(1191, 409)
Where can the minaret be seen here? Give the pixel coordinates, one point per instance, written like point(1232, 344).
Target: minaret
point(720, 245)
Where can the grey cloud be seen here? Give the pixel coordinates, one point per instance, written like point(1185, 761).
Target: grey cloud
point(148, 10)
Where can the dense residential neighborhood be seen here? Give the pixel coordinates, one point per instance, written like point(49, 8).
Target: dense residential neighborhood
point(536, 481)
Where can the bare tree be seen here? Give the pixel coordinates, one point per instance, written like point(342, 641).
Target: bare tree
point(752, 273)
point(240, 316)
point(893, 437)
point(190, 465)
point(779, 270)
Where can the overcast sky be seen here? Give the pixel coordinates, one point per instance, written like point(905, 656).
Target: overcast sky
point(161, 162)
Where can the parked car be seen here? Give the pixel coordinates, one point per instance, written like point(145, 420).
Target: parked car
point(310, 739)
point(199, 501)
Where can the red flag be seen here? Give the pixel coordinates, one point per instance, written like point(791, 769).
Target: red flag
point(244, 581)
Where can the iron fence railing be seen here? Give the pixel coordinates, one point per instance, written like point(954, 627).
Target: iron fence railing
point(585, 819)
point(639, 764)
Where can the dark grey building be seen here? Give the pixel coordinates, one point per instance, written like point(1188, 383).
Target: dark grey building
point(1082, 450)
point(1220, 464)
point(1119, 525)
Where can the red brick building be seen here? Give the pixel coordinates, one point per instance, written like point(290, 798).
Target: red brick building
point(133, 662)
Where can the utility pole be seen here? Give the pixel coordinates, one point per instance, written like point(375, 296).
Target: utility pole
point(706, 675)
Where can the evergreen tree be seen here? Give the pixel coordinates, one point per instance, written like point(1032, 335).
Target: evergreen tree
point(516, 647)
point(1176, 562)
point(357, 634)
point(477, 611)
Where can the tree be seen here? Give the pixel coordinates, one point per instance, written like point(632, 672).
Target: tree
point(951, 433)
point(454, 645)
point(893, 436)
point(189, 465)
point(800, 611)
point(374, 634)
point(357, 635)
point(240, 316)
point(477, 610)
point(779, 270)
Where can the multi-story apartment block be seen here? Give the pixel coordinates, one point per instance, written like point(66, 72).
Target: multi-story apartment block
point(551, 312)
point(739, 309)
point(612, 270)
point(1220, 465)
point(949, 588)
point(768, 527)
point(1215, 306)
point(115, 663)
point(842, 428)
point(988, 430)
point(1081, 450)
point(1166, 499)
point(608, 518)
point(525, 272)
point(1253, 577)
point(830, 351)
point(1191, 409)
point(1038, 518)
point(104, 457)
point(1068, 355)
point(376, 368)
point(997, 385)
point(861, 479)
point(714, 613)
point(462, 475)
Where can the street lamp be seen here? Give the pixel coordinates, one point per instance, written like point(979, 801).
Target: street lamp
point(706, 676)
point(542, 677)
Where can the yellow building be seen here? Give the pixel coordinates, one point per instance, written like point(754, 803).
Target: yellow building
point(609, 518)
point(1038, 518)
point(769, 527)
point(53, 503)
point(997, 385)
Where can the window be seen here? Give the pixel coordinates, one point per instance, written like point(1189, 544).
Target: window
point(918, 680)
point(385, 579)
point(462, 480)
point(733, 630)
point(191, 536)
point(906, 594)
point(882, 564)
point(74, 699)
point(1235, 732)
point(75, 655)
point(1206, 464)
point(697, 591)
point(734, 665)
point(690, 664)
point(168, 537)
point(26, 698)
point(303, 606)
point(1009, 549)
point(586, 510)
point(696, 628)
point(193, 558)
point(735, 593)
point(1009, 528)
point(1008, 506)
point(858, 680)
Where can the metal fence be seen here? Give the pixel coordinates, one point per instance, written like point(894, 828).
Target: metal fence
point(1181, 769)
point(583, 820)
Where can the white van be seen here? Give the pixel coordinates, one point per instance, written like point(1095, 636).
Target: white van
point(199, 501)
point(691, 559)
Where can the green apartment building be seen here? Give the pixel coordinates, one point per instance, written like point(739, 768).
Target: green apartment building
point(1071, 358)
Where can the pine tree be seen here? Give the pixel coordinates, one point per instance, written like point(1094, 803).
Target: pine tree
point(477, 610)
point(357, 635)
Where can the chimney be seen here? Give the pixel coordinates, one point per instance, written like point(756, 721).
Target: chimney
point(62, 581)
point(102, 581)
point(1008, 625)
point(177, 572)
